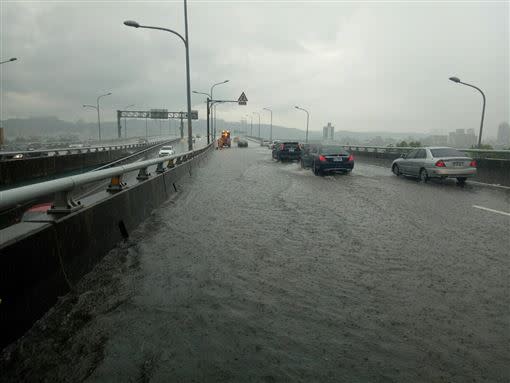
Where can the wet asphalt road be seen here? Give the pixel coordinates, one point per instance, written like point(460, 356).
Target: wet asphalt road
point(262, 272)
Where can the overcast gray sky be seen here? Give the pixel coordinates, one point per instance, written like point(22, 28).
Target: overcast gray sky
point(363, 66)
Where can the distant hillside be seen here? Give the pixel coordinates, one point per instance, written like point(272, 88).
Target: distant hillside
point(46, 127)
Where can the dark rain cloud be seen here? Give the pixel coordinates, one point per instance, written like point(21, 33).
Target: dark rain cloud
point(362, 66)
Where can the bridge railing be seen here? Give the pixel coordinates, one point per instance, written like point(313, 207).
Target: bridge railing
point(22, 154)
point(475, 153)
point(63, 188)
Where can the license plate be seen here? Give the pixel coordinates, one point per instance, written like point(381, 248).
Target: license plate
point(337, 159)
point(458, 164)
point(291, 150)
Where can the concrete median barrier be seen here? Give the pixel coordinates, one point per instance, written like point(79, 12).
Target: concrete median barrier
point(43, 264)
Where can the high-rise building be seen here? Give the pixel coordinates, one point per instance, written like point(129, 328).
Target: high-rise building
point(504, 133)
point(328, 132)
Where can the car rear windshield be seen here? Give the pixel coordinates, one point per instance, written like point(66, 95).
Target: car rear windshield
point(329, 150)
point(290, 145)
point(166, 148)
point(446, 152)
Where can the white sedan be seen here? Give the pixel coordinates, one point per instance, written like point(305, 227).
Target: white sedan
point(166, 151)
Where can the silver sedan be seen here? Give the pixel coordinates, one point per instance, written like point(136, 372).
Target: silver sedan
point(435, 162)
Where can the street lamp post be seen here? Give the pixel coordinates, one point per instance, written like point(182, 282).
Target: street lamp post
point(208, 111)
point(214, 110)
point(307, 120)
point(457, 80)
point(185, 40)
point(125, 119)
point(251, 124)
point(257, 113)
point(8, 61)
point(271, 129)
point(97, 109)
point(98, 114)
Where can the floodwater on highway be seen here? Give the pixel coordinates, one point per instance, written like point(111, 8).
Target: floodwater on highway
point(259, 271)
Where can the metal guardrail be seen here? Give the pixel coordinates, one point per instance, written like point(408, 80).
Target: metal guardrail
point(138, 153)
point(63, 187)
point(24, 154)
point(475, 153)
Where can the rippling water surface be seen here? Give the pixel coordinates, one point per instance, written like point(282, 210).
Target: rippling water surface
point(261, 271)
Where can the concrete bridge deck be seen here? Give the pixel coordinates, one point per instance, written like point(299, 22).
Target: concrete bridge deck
point(260, 271)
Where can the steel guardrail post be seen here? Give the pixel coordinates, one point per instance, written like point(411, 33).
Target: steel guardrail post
point(142, 174)
point(63, 203)
point(160, 168)
point(116, 184)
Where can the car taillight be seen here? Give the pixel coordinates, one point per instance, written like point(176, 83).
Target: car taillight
point(322, 158)
point(281, 147)
point(473, 164)
point(351, 158)
point(440, 164)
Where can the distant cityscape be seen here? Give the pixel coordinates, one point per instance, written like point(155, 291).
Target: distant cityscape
point(460, 138)
point(41, 131)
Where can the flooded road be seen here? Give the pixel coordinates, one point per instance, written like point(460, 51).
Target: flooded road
point(259, 271)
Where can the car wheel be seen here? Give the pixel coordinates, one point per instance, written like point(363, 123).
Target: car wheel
point(461, 180)
point(396, 170)
point(424, 176)
point(315, 170)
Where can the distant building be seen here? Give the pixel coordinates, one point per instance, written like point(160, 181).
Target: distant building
point(436, 140)
point(504, 133)
point(328, 132)
point(461, 139)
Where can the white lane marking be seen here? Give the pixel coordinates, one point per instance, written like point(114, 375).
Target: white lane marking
point(491, 210)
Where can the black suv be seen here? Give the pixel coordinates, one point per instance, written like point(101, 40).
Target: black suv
point(287, 151)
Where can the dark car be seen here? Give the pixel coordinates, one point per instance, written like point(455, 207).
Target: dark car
point(307, 154)
point(287, 151)
point(242, 144)
point(332, 159)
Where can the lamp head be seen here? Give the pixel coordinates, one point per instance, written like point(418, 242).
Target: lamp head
point(131, 23)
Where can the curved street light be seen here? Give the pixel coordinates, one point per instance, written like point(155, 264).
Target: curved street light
point(457, 80)
point(271, 129)
point(214, 110)
point(98, 114)
point(185, 40)
point(307, 120)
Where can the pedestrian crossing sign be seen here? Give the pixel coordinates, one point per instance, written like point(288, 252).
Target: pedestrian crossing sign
point(242, 99)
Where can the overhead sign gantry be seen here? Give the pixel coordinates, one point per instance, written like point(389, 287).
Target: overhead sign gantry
point(154, 114)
